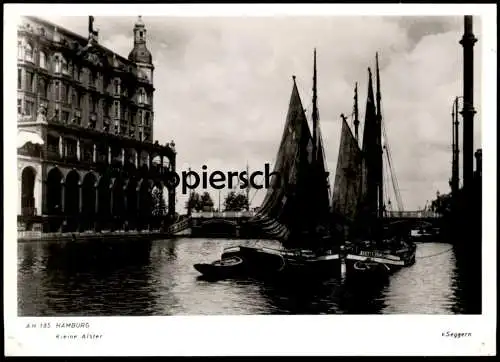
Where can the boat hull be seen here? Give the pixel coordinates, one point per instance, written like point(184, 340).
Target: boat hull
point(375, 262)
point(271, 262)
point(221, 269)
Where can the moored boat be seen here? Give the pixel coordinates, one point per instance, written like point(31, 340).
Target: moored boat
point(371, 252)
point(223, 268)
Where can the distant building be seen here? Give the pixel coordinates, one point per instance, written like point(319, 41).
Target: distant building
point(86, 157)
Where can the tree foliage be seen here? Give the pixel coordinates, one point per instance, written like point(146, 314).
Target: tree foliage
point(442, 204)
point(197, 202)
point(236, 201)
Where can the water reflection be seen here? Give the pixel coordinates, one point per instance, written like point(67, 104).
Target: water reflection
point(157, 278)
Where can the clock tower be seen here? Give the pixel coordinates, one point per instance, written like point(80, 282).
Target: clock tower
point(142, 57)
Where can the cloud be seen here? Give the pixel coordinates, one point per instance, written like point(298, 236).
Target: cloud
point(223, 86)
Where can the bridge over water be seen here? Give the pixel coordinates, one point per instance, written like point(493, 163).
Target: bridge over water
point(229, 223)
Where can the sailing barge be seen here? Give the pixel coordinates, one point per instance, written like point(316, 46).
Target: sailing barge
point(359, 196)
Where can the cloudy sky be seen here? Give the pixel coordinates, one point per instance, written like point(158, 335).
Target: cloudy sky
point(223, 86)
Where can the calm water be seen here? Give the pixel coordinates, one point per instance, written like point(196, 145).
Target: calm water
point(157, 278)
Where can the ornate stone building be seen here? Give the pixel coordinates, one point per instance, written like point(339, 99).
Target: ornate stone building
point(86, 160)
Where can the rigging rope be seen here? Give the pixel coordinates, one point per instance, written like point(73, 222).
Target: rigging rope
point(394, 178)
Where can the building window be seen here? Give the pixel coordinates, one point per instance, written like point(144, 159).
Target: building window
point(64, 66)
point(42, 88)
point(146, 120)
point(57, 93)
point(76, 73)
point(30, 105)
point(43, 60)
point(117, 109)
point(19, 106)
point(53, 144)
point(65, 117)
point(29, 81)
point(117, 87)
point(106, 109)
point(77, 118)
point(142, 96)
point(19, 78)
point(68, 95)
point(71, 148)
point(63, 93)
point(28, 53)
point(19, 50)
point(77, 99)
point(93, 104)
point(57, 64)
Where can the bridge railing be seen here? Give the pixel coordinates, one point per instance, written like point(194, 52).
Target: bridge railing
point(413, 214)
point(222, 215)
point(179, 226)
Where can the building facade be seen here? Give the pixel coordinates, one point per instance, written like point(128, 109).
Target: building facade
point(86, 156)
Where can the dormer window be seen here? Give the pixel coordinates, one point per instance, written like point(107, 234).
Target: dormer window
point(19, 50)
point(43, 61)
point(64, 66)
point(28, 53)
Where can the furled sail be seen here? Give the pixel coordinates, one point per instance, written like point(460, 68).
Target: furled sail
point(367, 223)
point(290, 207)
point(348, 178)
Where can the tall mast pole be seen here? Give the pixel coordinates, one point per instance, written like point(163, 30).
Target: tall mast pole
point(455, 149)
point(467, 42)
point(315, 110)
point(379, 145)
point(248, 188)
point(356, 113)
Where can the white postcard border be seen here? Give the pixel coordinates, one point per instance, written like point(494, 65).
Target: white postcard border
point(258, 335)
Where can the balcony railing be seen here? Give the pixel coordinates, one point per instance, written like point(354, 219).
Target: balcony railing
point(222, 215)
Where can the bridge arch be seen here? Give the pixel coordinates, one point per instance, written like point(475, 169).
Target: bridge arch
point(219, 227)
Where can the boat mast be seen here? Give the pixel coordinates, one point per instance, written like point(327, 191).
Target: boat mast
point(315, 111)
point(356, 114)
point(248, 189)
point(380, 158)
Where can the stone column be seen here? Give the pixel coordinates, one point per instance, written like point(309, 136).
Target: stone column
point(38, 193)
point(63, 189)
point(19, 193)
point(96, 200)
point(109, 155)
point(123, 156)
point(61, 147)
point(78, 151)
point(80, 197)
point(94, 153)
